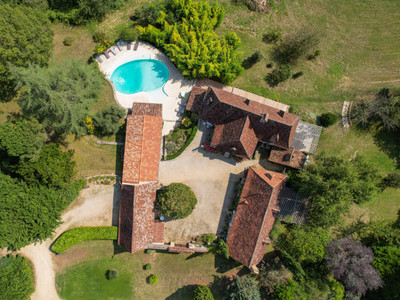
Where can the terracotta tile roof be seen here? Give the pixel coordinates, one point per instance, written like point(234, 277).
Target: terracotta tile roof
point(254, 218)
point(148, 109)
point(237, 137)
point(137, 225)
point(291, 158)
point(142, 149)
point(219, 107)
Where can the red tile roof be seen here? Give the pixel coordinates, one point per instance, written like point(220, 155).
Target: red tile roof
point(291, 158)
point(254, 218)
point(237, 137)
point(142, 149)
point(219, 107)
point(137, 225)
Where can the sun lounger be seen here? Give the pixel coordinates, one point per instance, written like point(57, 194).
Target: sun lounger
point(113, 50)
point(182, 94)
point(98, 58)
point(106, 54)
point(119, 45)
point(180, 110)
point(129, 45)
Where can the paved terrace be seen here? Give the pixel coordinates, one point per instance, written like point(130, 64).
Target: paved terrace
point(169, 97)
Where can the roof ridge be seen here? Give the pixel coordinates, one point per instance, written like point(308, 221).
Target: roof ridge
point(142, 147)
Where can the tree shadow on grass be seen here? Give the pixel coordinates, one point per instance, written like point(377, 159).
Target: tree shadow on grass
point(389, 143)
point(184, 292)
point(224, 265)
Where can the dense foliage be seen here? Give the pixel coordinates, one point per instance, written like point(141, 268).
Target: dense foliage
point(59, 97)
point(20, 139)
point(152, 279)
point(26, 38)
point(350, 262)
point(111, 274)
point(176, 200)
point(184, 30)
point(81, 234)
point(243, 288)
point(16, 278)
point(107, 120)
point(202, 292)
point(52, 168)
point(328, 119)
point(382, 110)
point(304, 243)
point(221, 248)
point(334, 184)
point(78, 12)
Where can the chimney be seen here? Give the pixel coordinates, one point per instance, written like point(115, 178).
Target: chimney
point(264, 118)
point(269, 176)
point(281, 113)
point(247, 101)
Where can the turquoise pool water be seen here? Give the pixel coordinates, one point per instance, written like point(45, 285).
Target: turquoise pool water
point(142, 75)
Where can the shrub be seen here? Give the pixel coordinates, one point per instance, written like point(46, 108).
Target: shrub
point(16, 277)
point(221, 248)
point(208, 238)
point(102, 46)
point(279, 75)
point(295, 47)
point(270, 65)
point(328, 119)
point(272, 36)
point(88, 121)
point(186, 122)
point(188, 141)
point(112, 178)
point(68, 41)
point(152, 279)
point(202, 292)
point(392, 180)
point(98, 37)
point(81, 234)
point(244, 287)
point(149, 251)
point(297, 75)
point(147, 267)
point(107, 120)
point(111, 274)
point(252, 59)
point(90, 180)
point(128, 34)
point(105, 182)
point(176, 200)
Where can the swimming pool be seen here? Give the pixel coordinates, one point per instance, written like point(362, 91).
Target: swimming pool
point(142, 75)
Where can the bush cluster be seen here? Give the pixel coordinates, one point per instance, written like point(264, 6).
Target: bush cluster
point(182, 148)
point(68, 41)
point(81, 234)
point(106, 121)
point(281, 74)
point(176, 200)
point(328, 119)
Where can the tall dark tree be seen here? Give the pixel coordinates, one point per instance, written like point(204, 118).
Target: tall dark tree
point(60, 97)
point(351, 264)
point(26, 38)
point(243, 288)
point(106, 120)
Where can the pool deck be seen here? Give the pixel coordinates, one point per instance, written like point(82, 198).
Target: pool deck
point(168, 97)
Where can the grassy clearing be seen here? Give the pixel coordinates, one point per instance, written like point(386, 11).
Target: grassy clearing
point(358, 50)
point(82, 273)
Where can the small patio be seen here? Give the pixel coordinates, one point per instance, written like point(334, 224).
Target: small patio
point(169, 96)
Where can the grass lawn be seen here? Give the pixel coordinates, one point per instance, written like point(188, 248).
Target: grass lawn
point(82, 268)
point(358, 49)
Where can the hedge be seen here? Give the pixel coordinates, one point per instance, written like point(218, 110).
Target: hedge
point(81, 234)
point(189, 140)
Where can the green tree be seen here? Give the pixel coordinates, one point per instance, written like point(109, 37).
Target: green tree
point(304, 243)
point(20, 139)
point(60, 97)
point(53, 167)
point(26, 38)
point(333, 184)
point(243, 288)
point(328, 119)
point(16, 278)
point(202, 292)
point(30, 213)
point(281, 74)
point(184, 29)
point(106, 120)
point(176, 200)
point(221, 248)
point(290, 291)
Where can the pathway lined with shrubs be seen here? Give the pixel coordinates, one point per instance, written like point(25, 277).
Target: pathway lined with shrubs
point(95, 206)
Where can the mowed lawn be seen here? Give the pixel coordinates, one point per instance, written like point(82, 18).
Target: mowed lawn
point(359, 42)
point(82, 268)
